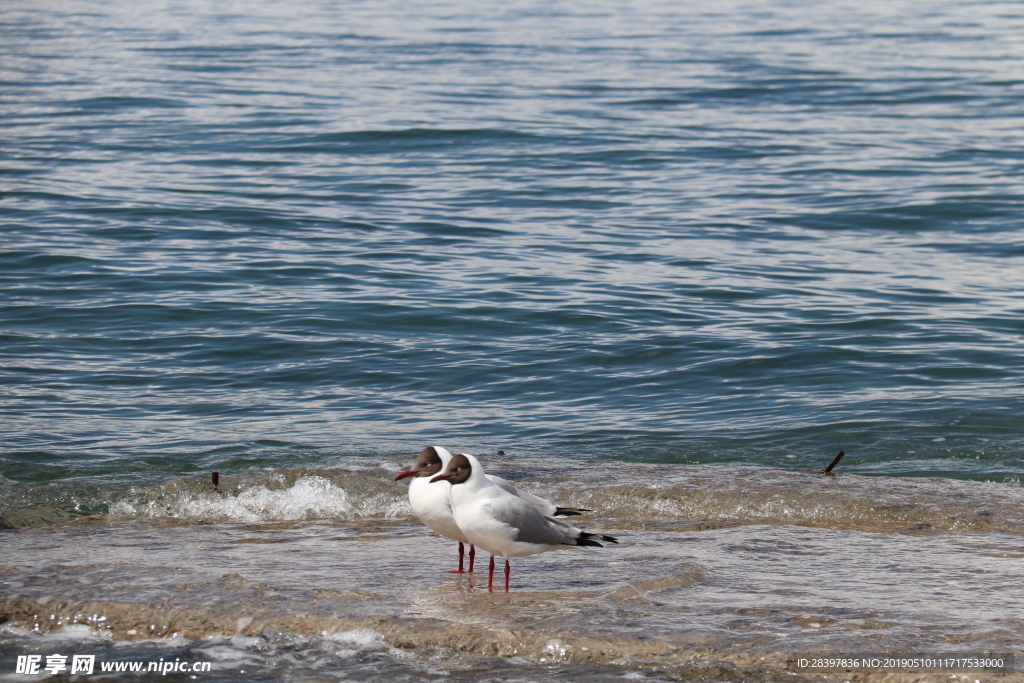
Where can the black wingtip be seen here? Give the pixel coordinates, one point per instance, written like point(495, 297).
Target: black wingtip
point(570, 512)
point(586, 538)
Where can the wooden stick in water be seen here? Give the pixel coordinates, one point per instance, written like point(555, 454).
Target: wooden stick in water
point(216, 481)
point(835, 461)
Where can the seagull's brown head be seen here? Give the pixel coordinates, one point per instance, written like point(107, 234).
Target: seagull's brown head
point(428, 463)
point(458, 470)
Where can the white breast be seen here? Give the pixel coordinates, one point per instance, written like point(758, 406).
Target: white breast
point(431, 504)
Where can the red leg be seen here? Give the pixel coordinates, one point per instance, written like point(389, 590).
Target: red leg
point(472, 556)
point(490, 574)
point(462, 550)
point(507, 572)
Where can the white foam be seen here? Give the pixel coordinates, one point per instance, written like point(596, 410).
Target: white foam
point(308, 498)
point(234, 651)
point(361, 639)
point(12, 630)
point(242, 650)
point(77, 633)
point(173, 642)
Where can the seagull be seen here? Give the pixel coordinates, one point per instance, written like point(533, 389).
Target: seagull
point(503, 523)
point(432, 505)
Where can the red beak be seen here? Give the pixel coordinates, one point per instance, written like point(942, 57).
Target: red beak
point(439, 478)
point(403, 475)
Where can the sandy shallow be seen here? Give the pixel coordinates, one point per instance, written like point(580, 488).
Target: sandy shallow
point(722, 574)
point(686, 600)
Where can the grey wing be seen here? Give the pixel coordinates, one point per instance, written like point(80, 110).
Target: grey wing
point(503, 484)
point(546, 508)
point(530, 525)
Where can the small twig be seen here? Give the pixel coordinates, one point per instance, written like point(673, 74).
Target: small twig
point(835, 461)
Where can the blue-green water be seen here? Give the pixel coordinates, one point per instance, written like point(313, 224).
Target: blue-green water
point(276, 233)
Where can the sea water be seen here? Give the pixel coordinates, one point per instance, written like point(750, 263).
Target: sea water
point(667, 258)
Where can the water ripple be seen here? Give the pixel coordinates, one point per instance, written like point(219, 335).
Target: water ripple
point(734, 232)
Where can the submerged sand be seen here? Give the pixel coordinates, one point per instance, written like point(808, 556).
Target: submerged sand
point(733, 594)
